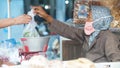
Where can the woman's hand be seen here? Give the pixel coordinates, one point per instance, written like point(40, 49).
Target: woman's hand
point(23, 19)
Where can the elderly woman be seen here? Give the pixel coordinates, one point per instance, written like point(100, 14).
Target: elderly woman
point(98, 43)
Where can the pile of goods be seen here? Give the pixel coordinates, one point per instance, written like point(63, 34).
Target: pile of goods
point(42, 62)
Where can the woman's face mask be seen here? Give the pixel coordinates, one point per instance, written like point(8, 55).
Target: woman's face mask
point(88, 28)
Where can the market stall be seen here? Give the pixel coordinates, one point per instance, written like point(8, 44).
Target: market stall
point(68, 61)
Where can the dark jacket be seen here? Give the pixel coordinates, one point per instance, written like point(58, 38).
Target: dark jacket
point(105, 47)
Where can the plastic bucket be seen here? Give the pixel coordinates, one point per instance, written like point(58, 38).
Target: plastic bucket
point(35, 43)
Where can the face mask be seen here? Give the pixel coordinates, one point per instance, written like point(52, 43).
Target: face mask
point(88, 28)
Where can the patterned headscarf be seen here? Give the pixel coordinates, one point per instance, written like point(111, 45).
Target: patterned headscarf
point(101, 18)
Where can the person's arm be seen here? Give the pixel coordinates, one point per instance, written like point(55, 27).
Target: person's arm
point(23, 19)
point(58, 26)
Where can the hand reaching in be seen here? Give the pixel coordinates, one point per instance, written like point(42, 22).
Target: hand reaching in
point(23, 19)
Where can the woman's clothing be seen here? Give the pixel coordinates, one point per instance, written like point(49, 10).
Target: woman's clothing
point(104, 48)
point(101, 20)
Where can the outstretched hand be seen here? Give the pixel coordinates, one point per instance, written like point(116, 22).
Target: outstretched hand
point(39, 11)
point(23, 19)
point(42, 13)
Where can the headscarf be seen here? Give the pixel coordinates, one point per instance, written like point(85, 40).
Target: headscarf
point(101, 20)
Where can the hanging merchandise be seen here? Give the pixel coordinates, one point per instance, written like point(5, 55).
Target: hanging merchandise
point(81, 9)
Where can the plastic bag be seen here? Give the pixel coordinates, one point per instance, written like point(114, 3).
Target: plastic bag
point(30, 30)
